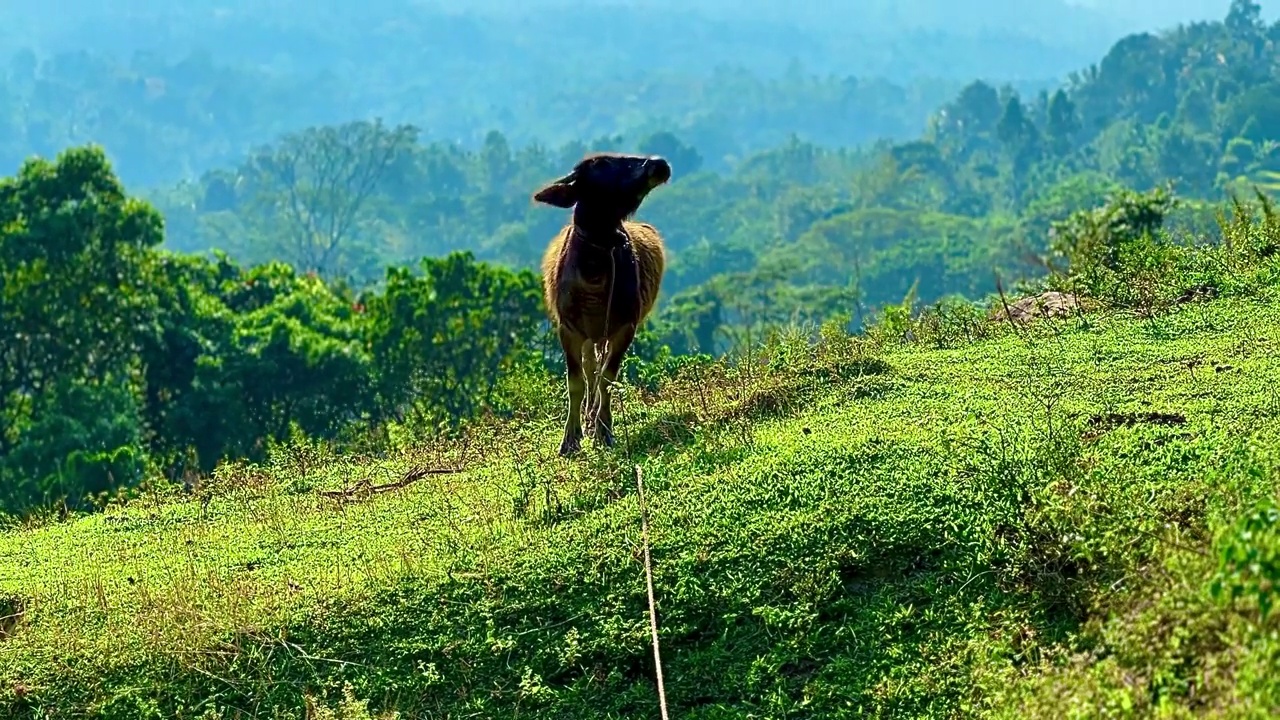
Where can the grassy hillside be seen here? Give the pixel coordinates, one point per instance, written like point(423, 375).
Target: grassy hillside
point(1069, 518)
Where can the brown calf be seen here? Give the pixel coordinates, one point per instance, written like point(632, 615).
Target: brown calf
point(600, 277)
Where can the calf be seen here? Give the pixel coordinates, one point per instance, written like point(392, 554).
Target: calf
point(600, 277)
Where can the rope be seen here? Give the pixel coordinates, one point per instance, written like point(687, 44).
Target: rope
point(602, 354)
point(599, 350)
point(653, 611)
point(602, 350)
point(644, 513)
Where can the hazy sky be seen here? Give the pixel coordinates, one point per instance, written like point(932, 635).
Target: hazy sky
point(1160, 13)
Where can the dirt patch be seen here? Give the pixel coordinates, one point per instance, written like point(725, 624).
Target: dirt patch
point(1114, 420)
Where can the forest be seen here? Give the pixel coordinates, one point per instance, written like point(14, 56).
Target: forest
point(354, 280)
point(173, 90)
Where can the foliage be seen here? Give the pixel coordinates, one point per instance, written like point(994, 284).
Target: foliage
point(73, 305)
point(169, 115)
point(1098, 244)
point(450, 334)
point(120, 359)
point(308, 195)
point(172, 90)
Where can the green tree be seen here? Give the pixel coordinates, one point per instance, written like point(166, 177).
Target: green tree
point(75, 305)
point(685, 159)
point(1061, 124)
point(310, 192)
point(444, 336)
point(968, 124)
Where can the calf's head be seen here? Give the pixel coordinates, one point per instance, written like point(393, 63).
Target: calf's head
point(605, 188)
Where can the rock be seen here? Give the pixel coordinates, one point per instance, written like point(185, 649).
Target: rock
point(1048, 304)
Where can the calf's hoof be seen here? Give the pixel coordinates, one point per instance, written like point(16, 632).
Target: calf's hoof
point(570, 446)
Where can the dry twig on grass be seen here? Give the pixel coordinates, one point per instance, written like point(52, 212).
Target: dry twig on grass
point(366, 487)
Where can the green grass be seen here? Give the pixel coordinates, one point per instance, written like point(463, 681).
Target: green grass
point(1035, 524)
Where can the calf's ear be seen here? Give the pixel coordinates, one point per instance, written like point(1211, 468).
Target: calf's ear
point(562, 193)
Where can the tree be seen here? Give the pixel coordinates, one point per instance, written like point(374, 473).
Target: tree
point(311, 190)
point(443, 337)
point(1244, 18)
point(1014, 127)
point(75, 306)
point(496, 161)
point(684, 158)
point(1061, 123)
point(969, 122)
point(1021, 142)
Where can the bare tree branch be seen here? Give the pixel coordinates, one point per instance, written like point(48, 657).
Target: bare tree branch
point(317, 184)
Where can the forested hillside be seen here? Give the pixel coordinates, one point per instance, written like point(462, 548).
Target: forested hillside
point(802, 230)
point(897, 40)
point(174, 89)
point(165, 119)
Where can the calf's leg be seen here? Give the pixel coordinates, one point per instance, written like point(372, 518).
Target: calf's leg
point(618, 345)
point(571, 343)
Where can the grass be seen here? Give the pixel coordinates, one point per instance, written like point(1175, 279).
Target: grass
point(1074, 519)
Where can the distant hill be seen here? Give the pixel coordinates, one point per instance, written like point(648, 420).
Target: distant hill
point(897, 40)
point(173, 89)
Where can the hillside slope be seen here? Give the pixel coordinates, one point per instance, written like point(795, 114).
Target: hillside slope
point(1029, 525)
